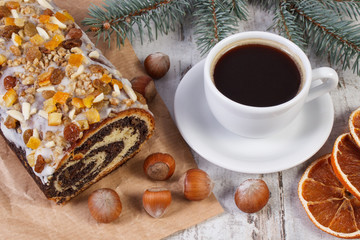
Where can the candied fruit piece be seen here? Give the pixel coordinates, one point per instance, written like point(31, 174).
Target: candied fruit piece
point(17, 40)
point(50, 105)
point(30, 29)
point(51, 27)
point(117, 82)
point(93, 115)
point(10, 97)
point(9, 21)
point(54, 119)
point(4, 12)
point(76, 59)
point(10, 122)
point(33, 142)
point(88, 101)
point(20, 22)
point(32, 53)
point(77, 102)
point(12, 5)
point(44, 79)
point(9, 82)
point(27, 135)
point(61, 17)
point(54, 42)
point(71, 132)
point(44, 18)
point(2, 59)
point(37, 39)
point(57, 76)
point(66, 14)
point(61, 97)
point(105, 78)
point(84, 124)
point(40, 164)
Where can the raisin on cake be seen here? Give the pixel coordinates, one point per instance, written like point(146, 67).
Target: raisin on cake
point(65, 111)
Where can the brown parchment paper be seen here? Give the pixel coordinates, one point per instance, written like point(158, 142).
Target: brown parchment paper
point(26, 214)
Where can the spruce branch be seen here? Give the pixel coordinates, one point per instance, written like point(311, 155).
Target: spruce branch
point(120, 17)
point(213, 23)
point(329, 33)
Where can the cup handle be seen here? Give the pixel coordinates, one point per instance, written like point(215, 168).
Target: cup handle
point(329, 81)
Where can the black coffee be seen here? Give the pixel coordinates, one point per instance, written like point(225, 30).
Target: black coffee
point(257, 75)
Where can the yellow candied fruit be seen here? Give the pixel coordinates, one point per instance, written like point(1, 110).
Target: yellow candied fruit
point(12, 5)
point(44, 18)
point(105, 78)
point(2, 59)
point(51, 27)
point(33, 142)
point(76, 59)
point(93, 116)
point(117, 82)
point(44, 79)
point(54, 42)
point(31, 159)
point(9, 21)
point(61, 97)
point(54, 119)
point(66, 14)
point(77, 102)
point(88, 101)
point(16, 39)
point(10, 97)
point(50, 105)
point(61, 17)
point(20, 22)
point(37, 39)
point(84, 124)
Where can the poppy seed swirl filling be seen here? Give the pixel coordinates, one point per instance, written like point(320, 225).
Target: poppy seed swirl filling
point(98, 152)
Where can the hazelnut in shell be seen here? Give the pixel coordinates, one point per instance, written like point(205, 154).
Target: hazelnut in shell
point(104, 205)
point(197, 184)
point(145, 86)
point(157, 65)
point(159, 166)
point(156, 201)
point(252, 195)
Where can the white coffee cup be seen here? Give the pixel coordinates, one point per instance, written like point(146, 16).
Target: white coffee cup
point(260, 122)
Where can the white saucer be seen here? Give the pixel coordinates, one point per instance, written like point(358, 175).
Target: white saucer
point(288, 148)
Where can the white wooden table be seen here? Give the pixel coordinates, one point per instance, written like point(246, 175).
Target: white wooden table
point(283, 217)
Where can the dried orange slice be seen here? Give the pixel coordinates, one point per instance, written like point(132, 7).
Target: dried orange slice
point(328, 204)
point(354, 125)
point(345, 160)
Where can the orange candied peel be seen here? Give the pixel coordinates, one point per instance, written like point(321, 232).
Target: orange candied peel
point(77, 102)
point(37, 39)
point(44, 79)
point(117, 82)
point(61, 17)
point(51, 27)
point(12, 5)
point(33, 142)
point(88, 101)
point(44, 18)
point(9, 21)
point(105, 78)
point(84, 124)
point(16, 39)
point(2, 59)
point(10, 97)
point(61, 97)
point(93, 116)
point(54, 42)
point(76, 59)
point(66, 14)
